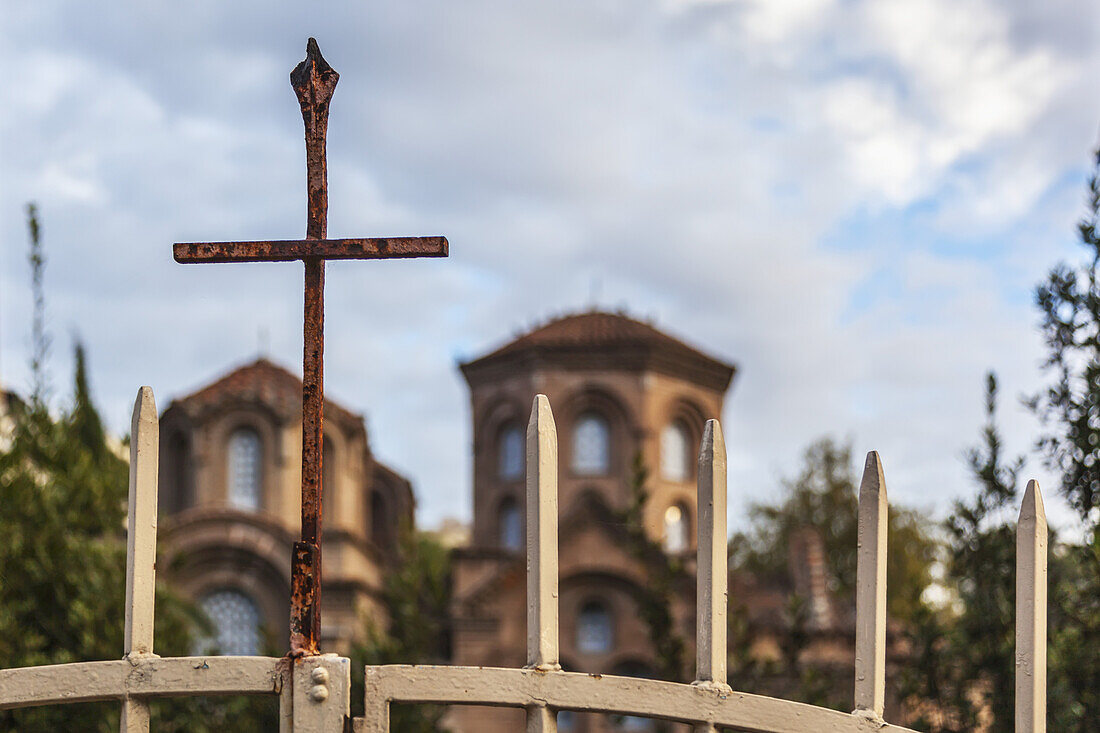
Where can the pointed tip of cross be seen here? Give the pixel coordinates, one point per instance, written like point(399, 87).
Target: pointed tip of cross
point(313, 70)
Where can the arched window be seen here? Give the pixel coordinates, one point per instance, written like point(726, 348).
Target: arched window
point(676, 451)
point(676, 529)
point(510, 525)
point(328, 465)
point(245, 468)
point(591, 445)
point(510, 453)
point(380, 525)
point(180, 490)
point(594, 628)
point(236, 621)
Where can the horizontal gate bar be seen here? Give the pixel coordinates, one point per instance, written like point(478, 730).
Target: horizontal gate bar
point(153, 677)
point(523, 688)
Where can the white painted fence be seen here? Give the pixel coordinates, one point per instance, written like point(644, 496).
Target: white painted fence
point(314, 692)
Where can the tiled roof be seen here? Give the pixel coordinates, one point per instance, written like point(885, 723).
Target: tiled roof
point(599, 329)
point(265, 382)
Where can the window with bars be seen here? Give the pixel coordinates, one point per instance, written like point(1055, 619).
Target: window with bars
point(236, 624)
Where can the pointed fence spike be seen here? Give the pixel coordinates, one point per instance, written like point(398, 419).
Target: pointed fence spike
point(1031, 613)
point(141, 547)
point(542, 537)
point(870, 688)
point(141, 538)
point(712, 593)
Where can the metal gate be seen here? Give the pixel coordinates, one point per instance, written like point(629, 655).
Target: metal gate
point(314, 692)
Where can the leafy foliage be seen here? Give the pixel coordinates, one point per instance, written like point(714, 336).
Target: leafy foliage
point(63, 487)
point(1069, 303)
point(655, 603)
point(961, 675)
point(824, 496)
point(417, 596)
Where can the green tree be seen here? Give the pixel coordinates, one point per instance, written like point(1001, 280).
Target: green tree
point(63, 487)
point(1069, 408)
point(961, 673)
point(417, 596)
point(824, 496)
point(666, 576)
point(1069, 304)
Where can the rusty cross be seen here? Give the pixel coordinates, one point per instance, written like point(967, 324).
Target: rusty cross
point(313, 81)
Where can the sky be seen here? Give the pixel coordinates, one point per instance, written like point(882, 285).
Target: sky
point(852, 200)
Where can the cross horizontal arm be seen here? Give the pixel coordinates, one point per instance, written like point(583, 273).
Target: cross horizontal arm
point(377, 248)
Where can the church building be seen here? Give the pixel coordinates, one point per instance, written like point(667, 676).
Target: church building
point(630, 404)
point(230, 502)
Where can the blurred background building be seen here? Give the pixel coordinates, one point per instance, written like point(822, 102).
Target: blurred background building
point(630, 403)
point(230, 497)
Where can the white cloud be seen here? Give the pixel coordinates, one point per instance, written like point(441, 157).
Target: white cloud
point(702, 160)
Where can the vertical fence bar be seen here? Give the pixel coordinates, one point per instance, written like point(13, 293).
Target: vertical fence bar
point(542, 552)
point(712, 576)
point(870, 690)
point(141, 546)
point(1031, 613)
point(541, 719)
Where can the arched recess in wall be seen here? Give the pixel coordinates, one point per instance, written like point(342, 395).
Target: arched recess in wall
point(502, 414)
point(177, 478)
point(676, 451)
point(510, 450)
point(677, 529)
point(382, 531)
point(599, 433)
point(510, 530)
point(680, 437)
point(328, 464)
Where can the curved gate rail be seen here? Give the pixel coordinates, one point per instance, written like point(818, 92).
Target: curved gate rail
point(314, 692)
point(542, 688)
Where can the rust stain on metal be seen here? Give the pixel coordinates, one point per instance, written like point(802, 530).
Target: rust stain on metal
point(375, 248)
point(303, 599)
point(313, 81)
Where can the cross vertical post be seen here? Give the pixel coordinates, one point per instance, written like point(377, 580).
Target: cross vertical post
point(313, 81)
